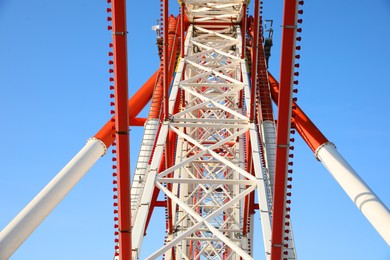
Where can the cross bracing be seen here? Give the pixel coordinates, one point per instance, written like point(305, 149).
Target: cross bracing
point(209, 184)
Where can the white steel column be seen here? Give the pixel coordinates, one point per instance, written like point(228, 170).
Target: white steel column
point(146, 195)
point(363, 197)
point(18, 230)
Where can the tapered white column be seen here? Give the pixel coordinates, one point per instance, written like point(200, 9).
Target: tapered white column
point(364, 198)
point(18, 230)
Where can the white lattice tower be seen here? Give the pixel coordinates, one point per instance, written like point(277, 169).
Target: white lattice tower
point(214, 173)
point(209, 180)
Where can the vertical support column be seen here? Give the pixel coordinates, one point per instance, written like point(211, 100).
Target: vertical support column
point(166, 81)
point(249, 169)
point(283, 127)
point(182, 10)
point(255, 47)
point(122, 126)
point(243, 26)
point(165, 59)
point(182, 45)
point(166, 99)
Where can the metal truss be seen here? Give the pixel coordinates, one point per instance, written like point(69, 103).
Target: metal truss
point(215, 11)
point(213, 151)
point(208, 184)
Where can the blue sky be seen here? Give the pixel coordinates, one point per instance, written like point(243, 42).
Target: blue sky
point(54, 83)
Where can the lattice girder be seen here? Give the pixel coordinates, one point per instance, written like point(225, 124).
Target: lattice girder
point(217, 11)
point(208, 183)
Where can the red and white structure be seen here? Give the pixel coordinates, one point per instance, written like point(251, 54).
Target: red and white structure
point(212, 147)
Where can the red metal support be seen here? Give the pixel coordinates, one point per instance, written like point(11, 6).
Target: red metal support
point(122, 126)
point(165, 59)
point(135, 104)
point(141, 98)
point(182, 10)
point(255, 47)
point(262, 91)
point(137, 121)
point(305, 127)
point(283, 127)
point(158, 103)
point(248, 167)
point(243, 30)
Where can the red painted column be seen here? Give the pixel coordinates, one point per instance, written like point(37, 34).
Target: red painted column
point(122, 126)
point(135, 104)
point(309, 132)
point(283, 127)
point(182, 39)
point(255, 48)
point(249, 169)
point(243, 30)
point(165, 61)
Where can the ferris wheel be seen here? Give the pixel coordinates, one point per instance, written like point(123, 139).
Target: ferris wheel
point(217, 146)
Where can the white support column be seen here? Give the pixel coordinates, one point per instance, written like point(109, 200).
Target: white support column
point(262, 192)
point(19, 229)
point(146, 197)
point(363, 197)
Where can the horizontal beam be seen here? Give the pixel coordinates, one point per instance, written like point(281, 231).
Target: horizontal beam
point(207, 181)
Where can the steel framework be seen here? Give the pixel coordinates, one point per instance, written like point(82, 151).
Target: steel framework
point(212, 148)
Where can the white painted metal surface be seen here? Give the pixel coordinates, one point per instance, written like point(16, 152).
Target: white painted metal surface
point(363, 197)
point(139, 219)
point(139, 178)
point(213, 187)
point(217, 11)
point(209, 183)
point(146, 196)
point(18, 230)
point(264, 189)
point(268, 139)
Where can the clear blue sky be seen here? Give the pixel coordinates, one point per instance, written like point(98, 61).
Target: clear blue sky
point(54, 85)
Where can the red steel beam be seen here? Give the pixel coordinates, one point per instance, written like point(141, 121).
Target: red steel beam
point(304, 126)
point(283, 127)
point(243, 30)
point(137, 121)
point(141, 98)
point(248, 166)
point(122, 126)
point(182, 26)
point(135, 104)
point(255, 48)
point(265, 103)
point(165, 59)
point(173, 44)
